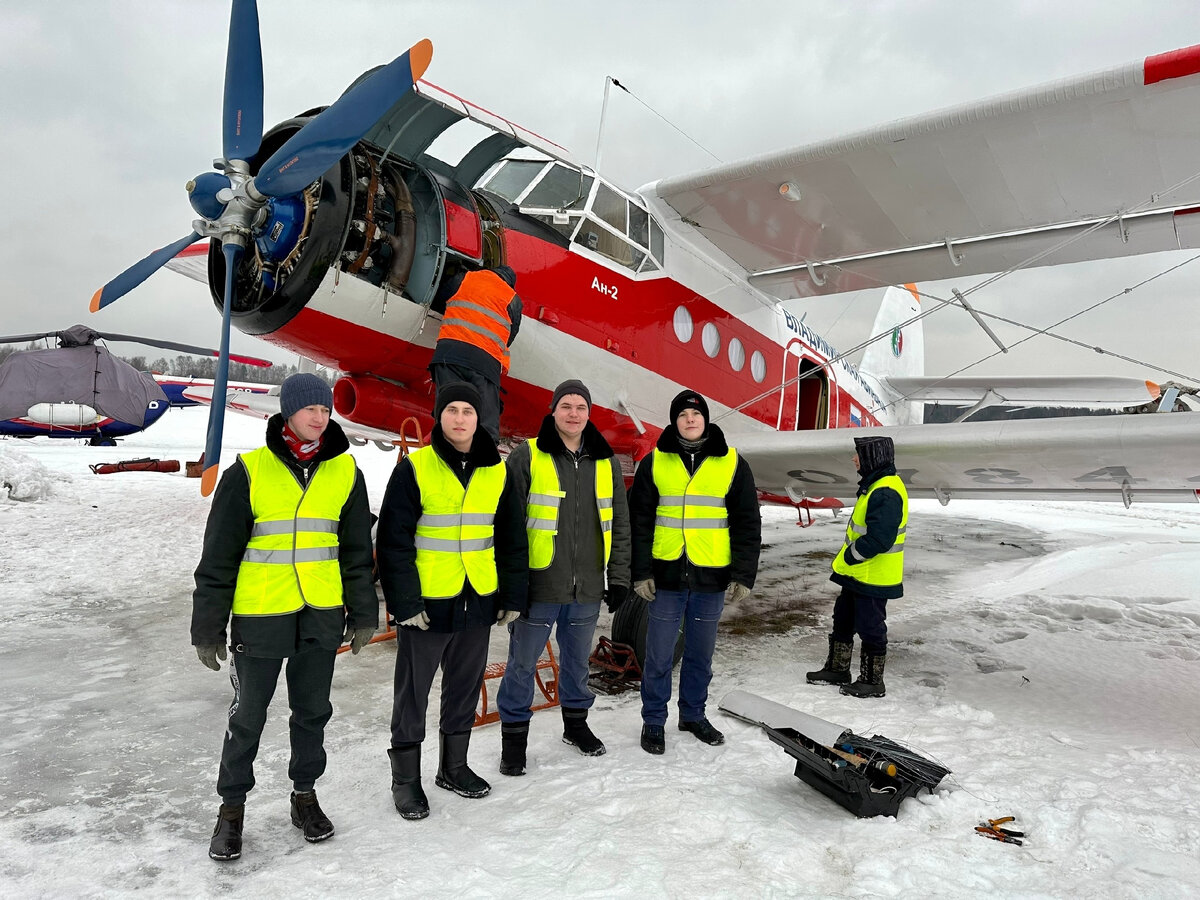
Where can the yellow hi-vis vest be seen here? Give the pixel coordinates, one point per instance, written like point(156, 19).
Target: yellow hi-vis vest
point(691, 511)
point(291, 559)
point(455, 536)
point(887, 568)
point(545, 496)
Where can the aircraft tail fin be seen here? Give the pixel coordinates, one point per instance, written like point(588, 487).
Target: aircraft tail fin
point(901, 355)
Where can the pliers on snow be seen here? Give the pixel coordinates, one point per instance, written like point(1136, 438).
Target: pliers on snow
point(991, 829)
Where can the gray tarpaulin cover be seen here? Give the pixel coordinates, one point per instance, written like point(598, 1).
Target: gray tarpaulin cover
point(86, 374)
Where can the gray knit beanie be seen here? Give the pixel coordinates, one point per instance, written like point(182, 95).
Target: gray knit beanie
point(304, 389)
point(571, 386)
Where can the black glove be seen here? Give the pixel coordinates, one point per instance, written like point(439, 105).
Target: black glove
point(208, 654)
point(615, 595)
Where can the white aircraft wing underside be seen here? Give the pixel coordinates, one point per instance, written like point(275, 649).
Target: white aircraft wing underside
point(1017, 390)
point(968, 190)
point(1135, 458)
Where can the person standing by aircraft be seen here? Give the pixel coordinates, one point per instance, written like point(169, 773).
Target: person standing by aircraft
point(287, 554)
point(697, 534)
point(870, 569)
point(481, 320)
point(453, 561)
point(577, 520)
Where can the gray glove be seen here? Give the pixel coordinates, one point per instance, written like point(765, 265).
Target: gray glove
point(736, 594)
point(208, 654)
point(358, 637)
point(420, 620)
point(645, 589)
point(507, 615)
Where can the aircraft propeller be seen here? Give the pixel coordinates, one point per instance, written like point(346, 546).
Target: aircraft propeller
point(234, 206)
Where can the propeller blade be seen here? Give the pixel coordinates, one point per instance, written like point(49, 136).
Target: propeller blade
point(138, 272)
point(324, 140)
point(216, 410)
point(243, 109)
point(183, 348)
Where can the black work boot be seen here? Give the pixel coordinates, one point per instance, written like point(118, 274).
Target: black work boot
point(837, 664)
point(407, 793)
point(226, 840)
point(514, 738)
point(453, 772)
point(654, 739)
point(870, 677)
point(703, 729)
point(308, 817)
point(577, 733)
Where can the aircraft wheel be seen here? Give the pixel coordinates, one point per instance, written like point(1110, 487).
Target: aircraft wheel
point(99, 441)
point(629, 626)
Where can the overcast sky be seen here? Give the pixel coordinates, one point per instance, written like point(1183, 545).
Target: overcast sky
point(108, 108)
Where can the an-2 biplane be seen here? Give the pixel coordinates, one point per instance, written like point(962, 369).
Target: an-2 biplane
point(353, 223)
point(80, 390)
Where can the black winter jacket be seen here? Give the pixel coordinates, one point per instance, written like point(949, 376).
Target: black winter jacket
point(884, 513)
point(576, 573)
point(745, 521)
point(396, 551)
point(230, 521)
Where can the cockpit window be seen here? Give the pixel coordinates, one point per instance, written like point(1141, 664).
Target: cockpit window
point(560, 188)
point(512, 177)
point(609, 207)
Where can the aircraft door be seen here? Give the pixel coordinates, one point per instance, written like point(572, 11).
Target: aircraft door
point(804, 402)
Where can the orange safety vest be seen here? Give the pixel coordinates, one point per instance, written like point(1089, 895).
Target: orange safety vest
point(477, 314)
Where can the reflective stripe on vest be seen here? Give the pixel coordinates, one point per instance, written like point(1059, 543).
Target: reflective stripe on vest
point(291, 558)
point(542, 508)
point(477, 314)
point(887, 568)
point(691, 511)
point(456, 531)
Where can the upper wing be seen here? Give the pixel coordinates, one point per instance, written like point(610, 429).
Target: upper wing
point(1148, 458)
point(967, 190)
point(1025, 390)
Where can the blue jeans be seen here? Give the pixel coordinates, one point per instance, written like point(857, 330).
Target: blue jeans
point(527, 638)
point(702, 612)
point(853, 614)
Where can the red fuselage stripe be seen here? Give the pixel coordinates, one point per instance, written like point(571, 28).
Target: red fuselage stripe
point(1175, 64)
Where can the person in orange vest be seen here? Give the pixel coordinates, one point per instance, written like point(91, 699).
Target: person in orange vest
point(481, 320)
point(285, 574)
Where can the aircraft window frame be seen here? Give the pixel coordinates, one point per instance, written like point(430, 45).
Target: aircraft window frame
point(486, 184)
point(616, 239)
point(710, 340)
point(736, 352)
point(578, 203)
point(758, 366)
point(684, 324)
point(604, 208)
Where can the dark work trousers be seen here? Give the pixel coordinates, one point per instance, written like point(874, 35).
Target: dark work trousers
point(309, 676)
point(865, 616)
point(489, 393)
point(462, 656)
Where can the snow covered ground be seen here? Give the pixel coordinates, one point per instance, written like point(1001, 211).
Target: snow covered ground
point(1047, 653)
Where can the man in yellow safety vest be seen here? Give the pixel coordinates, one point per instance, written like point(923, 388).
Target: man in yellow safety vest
point(577, 521)
point(453, 561)
point(287, 553)
point(697, 534)
point(870, 569)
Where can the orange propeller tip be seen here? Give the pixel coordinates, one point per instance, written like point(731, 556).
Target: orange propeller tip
point(94, 306)
point(1154, 389)
point(419, 57)
point(208, 481)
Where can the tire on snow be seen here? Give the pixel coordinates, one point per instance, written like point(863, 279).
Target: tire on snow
point(629, 626)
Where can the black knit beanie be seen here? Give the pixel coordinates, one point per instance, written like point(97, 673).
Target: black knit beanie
point(456, 391)
point(571, 386)
point(689, 400)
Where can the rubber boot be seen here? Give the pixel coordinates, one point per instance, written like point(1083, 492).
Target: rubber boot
point(870, 677)
point(453, 772)
point(226, 840)
point(577, 733)
point(837, 664)
point(514, 738)
point(407, 793)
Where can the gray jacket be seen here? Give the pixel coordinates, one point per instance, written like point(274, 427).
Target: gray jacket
point(576, 573)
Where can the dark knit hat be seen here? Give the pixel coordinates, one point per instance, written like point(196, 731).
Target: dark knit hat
point(304, 389)
point(689, 400)
point(507, 275)
point(456, 392)
point(571, 386)
point(874, 453)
